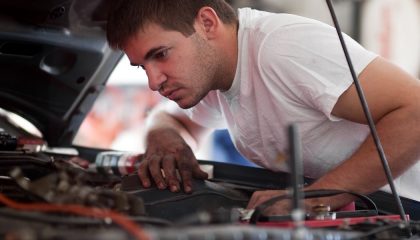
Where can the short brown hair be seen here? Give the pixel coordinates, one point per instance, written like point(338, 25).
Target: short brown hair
point(127, 17)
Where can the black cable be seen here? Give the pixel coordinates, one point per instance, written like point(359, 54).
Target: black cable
point(368, 115)
point(310, 194)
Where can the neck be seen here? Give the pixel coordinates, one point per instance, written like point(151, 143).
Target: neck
point(230, 57)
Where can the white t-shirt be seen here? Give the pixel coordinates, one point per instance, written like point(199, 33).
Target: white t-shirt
point(290, 70)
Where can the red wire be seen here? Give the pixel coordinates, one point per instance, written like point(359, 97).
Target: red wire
point(120, 219)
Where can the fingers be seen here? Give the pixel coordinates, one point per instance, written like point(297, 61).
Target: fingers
point(143, 173)
point(171, 177)
point(161, 168)
point(259, 197)
point(198, 173)
point(189, 168)
point(155, 171)
point(186, 176)
point(151, 169)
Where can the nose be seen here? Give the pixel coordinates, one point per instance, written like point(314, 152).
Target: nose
point(155, 77)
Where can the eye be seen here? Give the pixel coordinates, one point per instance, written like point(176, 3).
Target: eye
point(162, 54)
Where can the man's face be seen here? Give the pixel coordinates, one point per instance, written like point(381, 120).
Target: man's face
point(181, 68)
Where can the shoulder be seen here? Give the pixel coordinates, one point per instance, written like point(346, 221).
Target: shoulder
point(265, 23)
point(280, 34)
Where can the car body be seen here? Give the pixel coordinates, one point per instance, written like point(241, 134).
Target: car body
point(54, 63)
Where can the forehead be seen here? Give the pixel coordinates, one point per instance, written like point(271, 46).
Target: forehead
point(150, 37)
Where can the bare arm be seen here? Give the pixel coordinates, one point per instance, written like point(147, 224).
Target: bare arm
point(168, 141)
point(393, 97)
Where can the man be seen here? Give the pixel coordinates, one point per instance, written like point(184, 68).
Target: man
point(256, 73)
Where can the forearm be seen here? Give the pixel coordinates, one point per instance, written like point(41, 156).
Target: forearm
point(173, 123)
point(159, 122)
point(363, 172)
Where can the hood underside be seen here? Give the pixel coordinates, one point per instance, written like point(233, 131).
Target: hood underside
point(54, 61)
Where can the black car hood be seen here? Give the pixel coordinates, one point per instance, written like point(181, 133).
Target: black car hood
point(54, 61)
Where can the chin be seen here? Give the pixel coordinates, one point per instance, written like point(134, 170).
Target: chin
point(185, 104)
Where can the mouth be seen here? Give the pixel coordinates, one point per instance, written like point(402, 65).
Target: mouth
point(171, 94)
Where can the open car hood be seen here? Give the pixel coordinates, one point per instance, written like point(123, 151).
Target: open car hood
point(54, 61)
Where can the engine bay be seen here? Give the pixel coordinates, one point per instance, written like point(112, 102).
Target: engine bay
point(44, 194)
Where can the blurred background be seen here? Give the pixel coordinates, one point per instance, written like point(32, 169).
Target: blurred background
point(390, 28)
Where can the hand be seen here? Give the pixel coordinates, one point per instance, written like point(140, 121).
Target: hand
point(167, 152)
point(279, 208)
point(283, 207)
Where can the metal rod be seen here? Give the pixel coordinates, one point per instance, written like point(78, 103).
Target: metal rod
point(296, 168)
point(368, 116)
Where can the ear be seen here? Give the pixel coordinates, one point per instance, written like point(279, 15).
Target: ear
point(208, 22)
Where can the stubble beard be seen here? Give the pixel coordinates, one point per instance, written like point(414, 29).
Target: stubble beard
point(204, 72)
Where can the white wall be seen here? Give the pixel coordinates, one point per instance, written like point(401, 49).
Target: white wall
point(391, 28)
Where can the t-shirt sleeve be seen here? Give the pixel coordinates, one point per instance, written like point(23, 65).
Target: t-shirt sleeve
point(306, 61)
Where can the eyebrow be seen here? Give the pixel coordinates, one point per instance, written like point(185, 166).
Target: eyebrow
point(149, 54)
